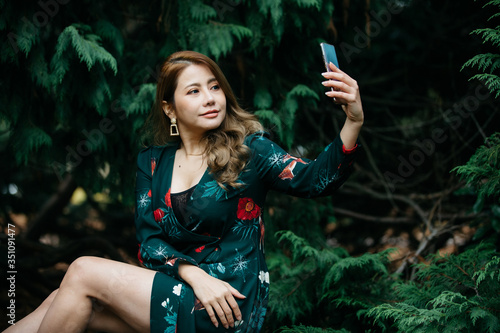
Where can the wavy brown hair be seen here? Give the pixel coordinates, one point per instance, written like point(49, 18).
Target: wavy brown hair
point(224, 149)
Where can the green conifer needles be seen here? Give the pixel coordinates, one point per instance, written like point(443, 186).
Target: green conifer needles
point(87, 46)
point(488, 63)
point(456, 293)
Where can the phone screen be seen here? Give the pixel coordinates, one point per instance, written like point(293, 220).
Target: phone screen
point(329, 55)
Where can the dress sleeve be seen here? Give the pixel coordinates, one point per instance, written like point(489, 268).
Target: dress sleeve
point(301, 177)
point(154, 252)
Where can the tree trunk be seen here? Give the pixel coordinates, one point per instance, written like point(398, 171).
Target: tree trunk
point(52, 208)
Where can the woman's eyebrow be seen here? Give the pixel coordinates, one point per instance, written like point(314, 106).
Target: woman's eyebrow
point(196, 84)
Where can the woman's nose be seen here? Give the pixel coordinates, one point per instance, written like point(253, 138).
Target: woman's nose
point(209, 98)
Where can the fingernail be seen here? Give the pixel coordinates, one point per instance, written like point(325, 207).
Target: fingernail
point(324, 83)
point(324, 73)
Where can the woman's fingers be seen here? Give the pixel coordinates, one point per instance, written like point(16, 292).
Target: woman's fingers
point(217, 296)
point(341, 92)
point(211, 314)
point(339, 80)
point(338, 75)
point(345, 91)
point(225, 313)
point(333, 68)
point(216, 310)
point(225, 308)
point(235, 308)
point(235, 292)
point(232, 301)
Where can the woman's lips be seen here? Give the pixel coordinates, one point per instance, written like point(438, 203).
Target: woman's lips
point(210, 114)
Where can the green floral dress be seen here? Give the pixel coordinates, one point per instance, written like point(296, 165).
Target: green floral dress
point(223, 231)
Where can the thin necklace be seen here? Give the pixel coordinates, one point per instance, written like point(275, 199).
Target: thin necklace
point(191, 155)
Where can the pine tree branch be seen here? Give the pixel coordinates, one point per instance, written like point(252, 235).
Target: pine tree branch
point(421, 247)
point(48, 256)
point(373, 163)
point(371, 218)
point(398, 197)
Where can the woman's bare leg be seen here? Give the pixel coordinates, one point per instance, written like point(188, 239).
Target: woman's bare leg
point(31, 322)
point(122, 288)
point(101, 320)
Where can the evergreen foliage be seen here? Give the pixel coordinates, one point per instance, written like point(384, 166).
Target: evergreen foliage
point(482, 171)
point(458, 292)
point(77, 87)
point(28, 140)
point(344, 287)
point(488, 63)
point(452, 293)
point(309, 329)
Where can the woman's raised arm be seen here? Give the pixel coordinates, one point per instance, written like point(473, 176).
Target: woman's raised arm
point(346, 93)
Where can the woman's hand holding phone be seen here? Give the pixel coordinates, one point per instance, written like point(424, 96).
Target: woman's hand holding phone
point(345, 92)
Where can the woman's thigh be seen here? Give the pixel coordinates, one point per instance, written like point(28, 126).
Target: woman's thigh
point(122, 288)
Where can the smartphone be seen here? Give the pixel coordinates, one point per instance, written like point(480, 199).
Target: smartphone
point(329, 55)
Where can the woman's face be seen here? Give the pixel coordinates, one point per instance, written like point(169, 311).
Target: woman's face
point(199, 102)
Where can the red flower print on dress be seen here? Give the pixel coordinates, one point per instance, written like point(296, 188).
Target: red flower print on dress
point(288, 157)
point(153, 165)
point(200, 249)
point(139, 256)
point(262, 232)
point(247, 209)
point(167, 199)
point(149, 193)
point(287, 173)
point(197, 305)
point(171, 262)
point(158, 214)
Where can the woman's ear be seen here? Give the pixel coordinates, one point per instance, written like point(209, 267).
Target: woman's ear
point(169, 112)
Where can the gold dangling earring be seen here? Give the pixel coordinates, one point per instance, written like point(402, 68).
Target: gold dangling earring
point(174, 130)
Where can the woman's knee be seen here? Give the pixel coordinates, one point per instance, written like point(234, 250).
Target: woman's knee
point(79, 273)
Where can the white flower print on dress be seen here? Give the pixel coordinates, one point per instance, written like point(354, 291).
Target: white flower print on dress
point(165, 303)
point(160, 251)
point(264, 277)
point(240, 265)
point(144, 200)
point(177, 289)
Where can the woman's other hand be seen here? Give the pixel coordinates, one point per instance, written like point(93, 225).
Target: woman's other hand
point(217, 296)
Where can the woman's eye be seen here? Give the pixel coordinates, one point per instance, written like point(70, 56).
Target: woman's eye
point(194, 91)
point(216, 87)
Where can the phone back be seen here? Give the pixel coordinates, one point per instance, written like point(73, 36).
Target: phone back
point(329, 55)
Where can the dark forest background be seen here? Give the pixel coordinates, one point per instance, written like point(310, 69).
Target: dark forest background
point(408, 244)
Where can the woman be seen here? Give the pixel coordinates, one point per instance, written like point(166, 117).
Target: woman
point(200, 194)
